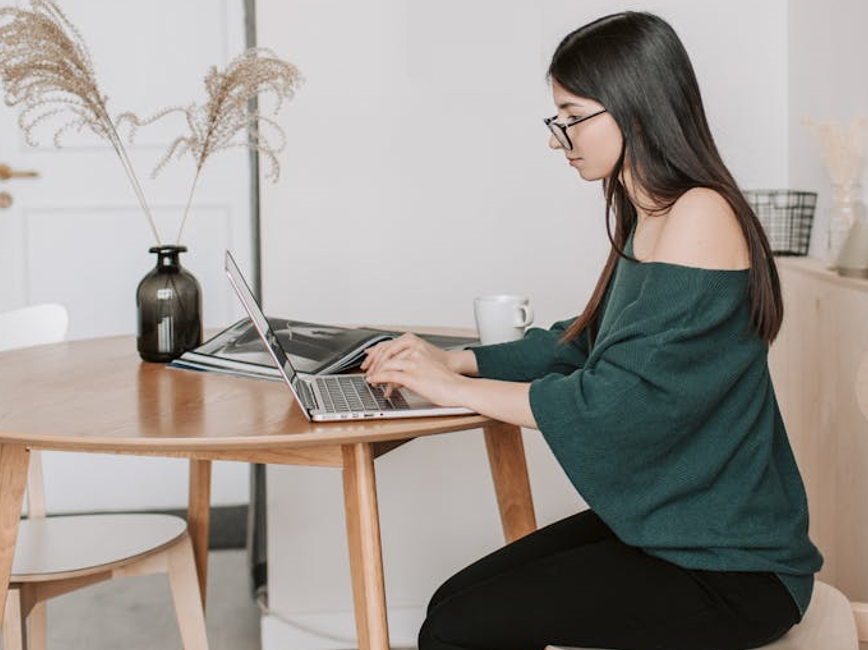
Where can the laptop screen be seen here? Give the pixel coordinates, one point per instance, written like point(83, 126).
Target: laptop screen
point(260, 322)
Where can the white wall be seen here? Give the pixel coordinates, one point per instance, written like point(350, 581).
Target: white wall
point(827, 54)
point(417, 154)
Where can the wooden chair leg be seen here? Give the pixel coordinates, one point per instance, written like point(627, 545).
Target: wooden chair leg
point(15, 622)
point(199, 518)
point(185, 593)
point(38, 632)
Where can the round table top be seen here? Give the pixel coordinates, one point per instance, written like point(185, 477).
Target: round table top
point(97, 395)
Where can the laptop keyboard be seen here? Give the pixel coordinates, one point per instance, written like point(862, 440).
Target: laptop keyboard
point(348, 393)
point(306, 394)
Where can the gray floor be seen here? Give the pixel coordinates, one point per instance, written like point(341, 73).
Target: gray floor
point(137, 613)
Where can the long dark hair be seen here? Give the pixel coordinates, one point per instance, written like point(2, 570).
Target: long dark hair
point(634, 64)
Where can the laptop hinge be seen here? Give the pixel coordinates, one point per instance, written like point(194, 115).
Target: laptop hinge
point(308, 396)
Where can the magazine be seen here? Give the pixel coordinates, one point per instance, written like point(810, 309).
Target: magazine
point(313, 348)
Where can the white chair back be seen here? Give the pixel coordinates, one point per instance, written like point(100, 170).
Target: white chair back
point(34, 325)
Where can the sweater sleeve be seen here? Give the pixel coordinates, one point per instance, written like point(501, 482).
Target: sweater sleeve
point(660, 370)
point(539, 353)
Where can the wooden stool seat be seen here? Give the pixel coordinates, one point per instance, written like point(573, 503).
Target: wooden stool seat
point(827, 625)
point(65, 547)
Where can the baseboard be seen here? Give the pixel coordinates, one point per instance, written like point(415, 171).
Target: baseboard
point(335, 630)
point(228, 527)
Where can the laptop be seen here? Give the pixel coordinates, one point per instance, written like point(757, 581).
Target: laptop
point(325, 398)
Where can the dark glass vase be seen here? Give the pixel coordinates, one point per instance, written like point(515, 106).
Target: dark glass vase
point(169, 306)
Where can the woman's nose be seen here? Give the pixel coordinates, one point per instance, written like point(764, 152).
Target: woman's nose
point(554, 143)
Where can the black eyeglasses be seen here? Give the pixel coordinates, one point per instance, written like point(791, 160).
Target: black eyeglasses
point(560, 130)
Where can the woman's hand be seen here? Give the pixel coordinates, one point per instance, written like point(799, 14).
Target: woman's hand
point(440, 376)
point(420, 366)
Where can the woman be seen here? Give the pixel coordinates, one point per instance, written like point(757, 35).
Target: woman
point(656, 399)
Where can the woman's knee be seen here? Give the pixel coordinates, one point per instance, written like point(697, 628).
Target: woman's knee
point(439, 596)
point(453, 624)
point(428, 639)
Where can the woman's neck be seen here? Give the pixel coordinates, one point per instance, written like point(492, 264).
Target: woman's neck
point(643, 203)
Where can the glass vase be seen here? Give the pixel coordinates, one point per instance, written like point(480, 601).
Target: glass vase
point(847, 206)
point(169, 306)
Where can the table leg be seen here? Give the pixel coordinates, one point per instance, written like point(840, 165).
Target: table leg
point(14, 460)
point(366, 555)
point(199, 518)
point(509, 471)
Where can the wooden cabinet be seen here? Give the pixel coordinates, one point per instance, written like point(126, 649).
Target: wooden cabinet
point(814, 364)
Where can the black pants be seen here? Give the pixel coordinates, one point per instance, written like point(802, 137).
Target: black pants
point(574, 583)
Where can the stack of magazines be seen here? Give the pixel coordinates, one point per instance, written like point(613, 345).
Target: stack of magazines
point(313, 348)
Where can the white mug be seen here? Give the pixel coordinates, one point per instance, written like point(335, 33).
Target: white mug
point(501, 318)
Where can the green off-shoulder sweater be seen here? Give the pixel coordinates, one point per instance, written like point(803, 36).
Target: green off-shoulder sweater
point(668, 424)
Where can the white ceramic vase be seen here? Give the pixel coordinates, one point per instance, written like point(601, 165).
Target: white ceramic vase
point(846, 209)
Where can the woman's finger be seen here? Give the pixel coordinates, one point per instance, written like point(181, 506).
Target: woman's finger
point(370, 356)
point(394, 365)
point(395, 375)
point(392, 380)
point(376, 352)
point(390, 350)
point(388, 389)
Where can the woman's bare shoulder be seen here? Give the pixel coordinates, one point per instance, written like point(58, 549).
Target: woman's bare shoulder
point(702, 231)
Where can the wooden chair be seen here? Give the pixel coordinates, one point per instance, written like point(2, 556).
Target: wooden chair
point(831, 623)
point(56, 555)
point(34, 325)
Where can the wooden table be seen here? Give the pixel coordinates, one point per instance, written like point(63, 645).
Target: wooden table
point(96, 396)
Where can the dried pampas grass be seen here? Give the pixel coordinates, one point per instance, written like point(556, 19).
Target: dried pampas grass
point(842, 147)
point(46, 69)
point(229, 117)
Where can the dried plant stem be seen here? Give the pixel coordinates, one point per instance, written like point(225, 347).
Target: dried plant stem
point(134, 180)
point(189, 201)
point(206, 147)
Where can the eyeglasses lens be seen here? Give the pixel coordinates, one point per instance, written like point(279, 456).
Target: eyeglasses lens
point(562, 137)
point(560, 133)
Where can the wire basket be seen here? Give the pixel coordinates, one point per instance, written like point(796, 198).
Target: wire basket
point(786, 216)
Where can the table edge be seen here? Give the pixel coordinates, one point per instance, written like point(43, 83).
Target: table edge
point(181, 445)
